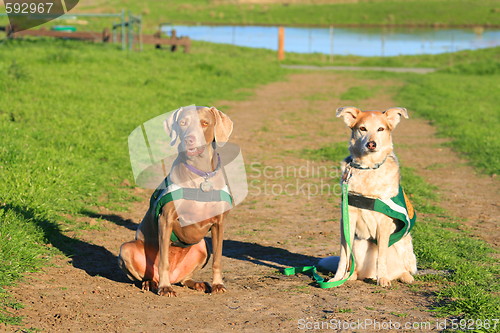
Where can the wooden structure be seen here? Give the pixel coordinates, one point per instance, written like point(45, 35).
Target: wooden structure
point(173, 41)
point(105, 36)
point(79, 35)
point(127, 32)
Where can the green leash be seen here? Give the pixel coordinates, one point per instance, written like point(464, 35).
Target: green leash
point(347, 235)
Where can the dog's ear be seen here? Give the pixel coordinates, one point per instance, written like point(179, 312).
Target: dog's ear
point(394, 116)
point(350, 114)
point(223, 126)
point(171, 127)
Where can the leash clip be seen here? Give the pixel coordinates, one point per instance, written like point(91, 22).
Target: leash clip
point(347, 174)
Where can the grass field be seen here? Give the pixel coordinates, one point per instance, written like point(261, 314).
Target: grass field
point(462, 101)
point(383, 12)
point(485, 61)
point(66, 110)
point(461, 98)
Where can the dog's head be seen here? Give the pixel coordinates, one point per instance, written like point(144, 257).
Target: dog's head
point(371, 130)
point(197, 127)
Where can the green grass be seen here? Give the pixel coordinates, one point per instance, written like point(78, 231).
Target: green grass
point(66, 110)
point(368, 12)
point(380, 12)
point(439, 61)
point(335, 152)
point(462, 101)
point(469, 290)
point(358, 93)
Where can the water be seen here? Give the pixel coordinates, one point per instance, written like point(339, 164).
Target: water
point(346, 41)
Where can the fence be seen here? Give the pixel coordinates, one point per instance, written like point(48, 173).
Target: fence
point(126, 27)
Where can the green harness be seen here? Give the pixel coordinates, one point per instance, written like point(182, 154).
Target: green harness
point(398, 207)
point(167, 191)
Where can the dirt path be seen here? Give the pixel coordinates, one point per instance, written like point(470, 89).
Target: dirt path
point(278, 225)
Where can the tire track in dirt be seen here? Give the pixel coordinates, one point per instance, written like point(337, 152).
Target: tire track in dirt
point(265, 233)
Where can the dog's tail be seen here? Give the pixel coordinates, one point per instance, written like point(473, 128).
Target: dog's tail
point(329, 264)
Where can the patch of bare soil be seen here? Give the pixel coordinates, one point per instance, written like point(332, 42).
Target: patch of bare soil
point(290, 218)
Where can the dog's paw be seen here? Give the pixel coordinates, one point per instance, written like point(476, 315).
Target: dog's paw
point(384, 282)
point(199, 286)
point(167, 291)
point(406, 278)
point(149, 285)
point(218, 289)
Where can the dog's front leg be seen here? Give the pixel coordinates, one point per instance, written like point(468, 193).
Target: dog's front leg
point(383, 234)
point(164, 232)
point(217, 239)
point(343, 262)
point(345, 254)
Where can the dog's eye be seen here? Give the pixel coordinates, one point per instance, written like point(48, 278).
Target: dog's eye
point(362, 129)
point(380, 129)
point(204, 123)
point(182, 122)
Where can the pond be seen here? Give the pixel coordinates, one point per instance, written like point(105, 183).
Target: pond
point(347, 41)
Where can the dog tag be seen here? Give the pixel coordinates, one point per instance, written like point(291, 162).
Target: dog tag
point(206, 186)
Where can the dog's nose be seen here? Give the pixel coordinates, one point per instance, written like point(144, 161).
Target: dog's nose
point(371, 145)
point(189, 140)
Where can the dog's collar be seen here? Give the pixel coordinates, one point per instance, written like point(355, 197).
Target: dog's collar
point(355, 165)
point(204, 174)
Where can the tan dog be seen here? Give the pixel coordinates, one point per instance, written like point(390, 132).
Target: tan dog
point(153, 257)
point(373, 172)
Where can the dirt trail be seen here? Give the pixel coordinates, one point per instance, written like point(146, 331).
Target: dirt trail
point(265, 233)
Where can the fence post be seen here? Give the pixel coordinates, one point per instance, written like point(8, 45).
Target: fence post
point(123, 29)
point(130, 31)
point(281, 43)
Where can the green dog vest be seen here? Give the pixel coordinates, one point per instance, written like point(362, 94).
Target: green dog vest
point(168, 191)
point(398, 207)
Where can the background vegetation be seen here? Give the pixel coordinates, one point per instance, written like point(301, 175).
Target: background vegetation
point(484, 61)
point(380, 12)
point(429, 13)
point(462, 101)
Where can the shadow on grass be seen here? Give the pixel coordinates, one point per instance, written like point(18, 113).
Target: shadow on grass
point(252, 252)
point(269, 256)
point(94, 259)
point(116, 219)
